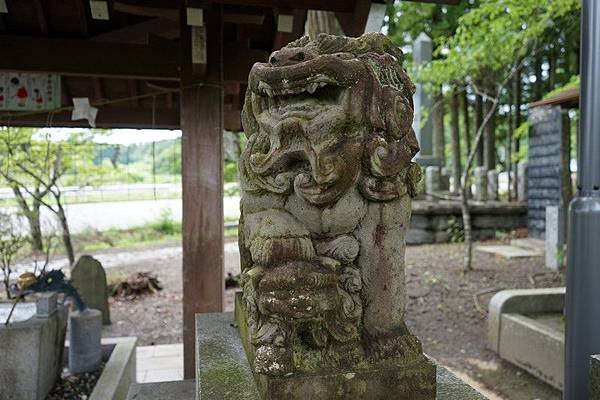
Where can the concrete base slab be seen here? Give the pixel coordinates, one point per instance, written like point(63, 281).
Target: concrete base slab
point(119, 372)
point(526, 328)
point(509, 251)
point(176, 390)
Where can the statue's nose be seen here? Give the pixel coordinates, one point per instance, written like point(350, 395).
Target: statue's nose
point(289, 56)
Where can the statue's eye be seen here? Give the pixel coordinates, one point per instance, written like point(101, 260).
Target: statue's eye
point(344, 56)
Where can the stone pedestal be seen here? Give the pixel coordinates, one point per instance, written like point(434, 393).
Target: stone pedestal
point(411, 377)
point(223, 372)
point(85, 348)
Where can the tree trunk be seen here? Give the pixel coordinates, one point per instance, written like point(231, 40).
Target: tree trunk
point(509, 140)
point(552, 69)
point(32, 214)
point(437, 116)
point(517, 90)
point(489, 142)
point(322, 22)
point(478, 123)
point(467, 127)
point(66, 234)
point(455, 140)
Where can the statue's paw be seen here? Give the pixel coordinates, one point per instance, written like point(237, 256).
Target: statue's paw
point(273, 360)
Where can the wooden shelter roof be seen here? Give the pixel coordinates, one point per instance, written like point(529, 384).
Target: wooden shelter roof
point(129, 65)
point(568, 98)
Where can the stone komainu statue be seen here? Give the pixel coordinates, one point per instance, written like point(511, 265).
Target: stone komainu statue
point(327, 181)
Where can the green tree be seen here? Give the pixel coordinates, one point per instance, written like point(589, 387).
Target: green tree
point(32, 164)
point(491, 43)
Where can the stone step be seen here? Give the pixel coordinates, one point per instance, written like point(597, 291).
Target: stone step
point(529, 243)
point(509, 251)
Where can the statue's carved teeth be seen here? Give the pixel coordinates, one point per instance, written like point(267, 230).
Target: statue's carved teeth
point(312, 87)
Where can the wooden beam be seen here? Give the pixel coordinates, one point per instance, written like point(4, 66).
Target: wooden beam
point(87, 58)
point(202, 173)
point(82, 13)
point(244, 18)
point(146, 10)
point(108, 117)
point(41, 16)
point(328, 5)
point(138, 33)
point(112, 117)
point(353, 24)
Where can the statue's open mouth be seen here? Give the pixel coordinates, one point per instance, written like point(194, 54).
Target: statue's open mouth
point(282, 99)
point(305, 87)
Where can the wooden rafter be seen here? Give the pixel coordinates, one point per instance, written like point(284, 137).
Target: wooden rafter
point(93, 58)
point(138, 33)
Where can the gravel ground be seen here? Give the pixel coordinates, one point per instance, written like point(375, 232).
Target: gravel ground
point(75, 387)
point(447, 309)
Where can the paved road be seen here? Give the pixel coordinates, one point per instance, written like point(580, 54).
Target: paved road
point(127, 214)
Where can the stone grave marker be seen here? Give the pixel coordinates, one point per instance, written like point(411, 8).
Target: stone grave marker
point(481, 184)
point(89, 278)
point(492, 180)
point(555, 236)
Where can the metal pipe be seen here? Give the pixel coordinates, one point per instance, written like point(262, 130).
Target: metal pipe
point(583, 270)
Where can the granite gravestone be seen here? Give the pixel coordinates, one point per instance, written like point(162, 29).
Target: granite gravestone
point(89, 278)
point(544, 167)
point(327, 182)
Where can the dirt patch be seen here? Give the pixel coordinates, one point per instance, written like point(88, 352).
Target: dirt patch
point(446, 309)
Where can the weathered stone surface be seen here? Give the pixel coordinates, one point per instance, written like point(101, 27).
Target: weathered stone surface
point(89, 278)
point(85, 334)
point(222, 369)
point(31, 355)
point(323, 276)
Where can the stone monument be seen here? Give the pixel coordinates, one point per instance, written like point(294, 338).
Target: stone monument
point(89, 278)
point(327, 181)
point(422, 124)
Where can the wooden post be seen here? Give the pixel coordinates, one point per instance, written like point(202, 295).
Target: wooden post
point(202, 170)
